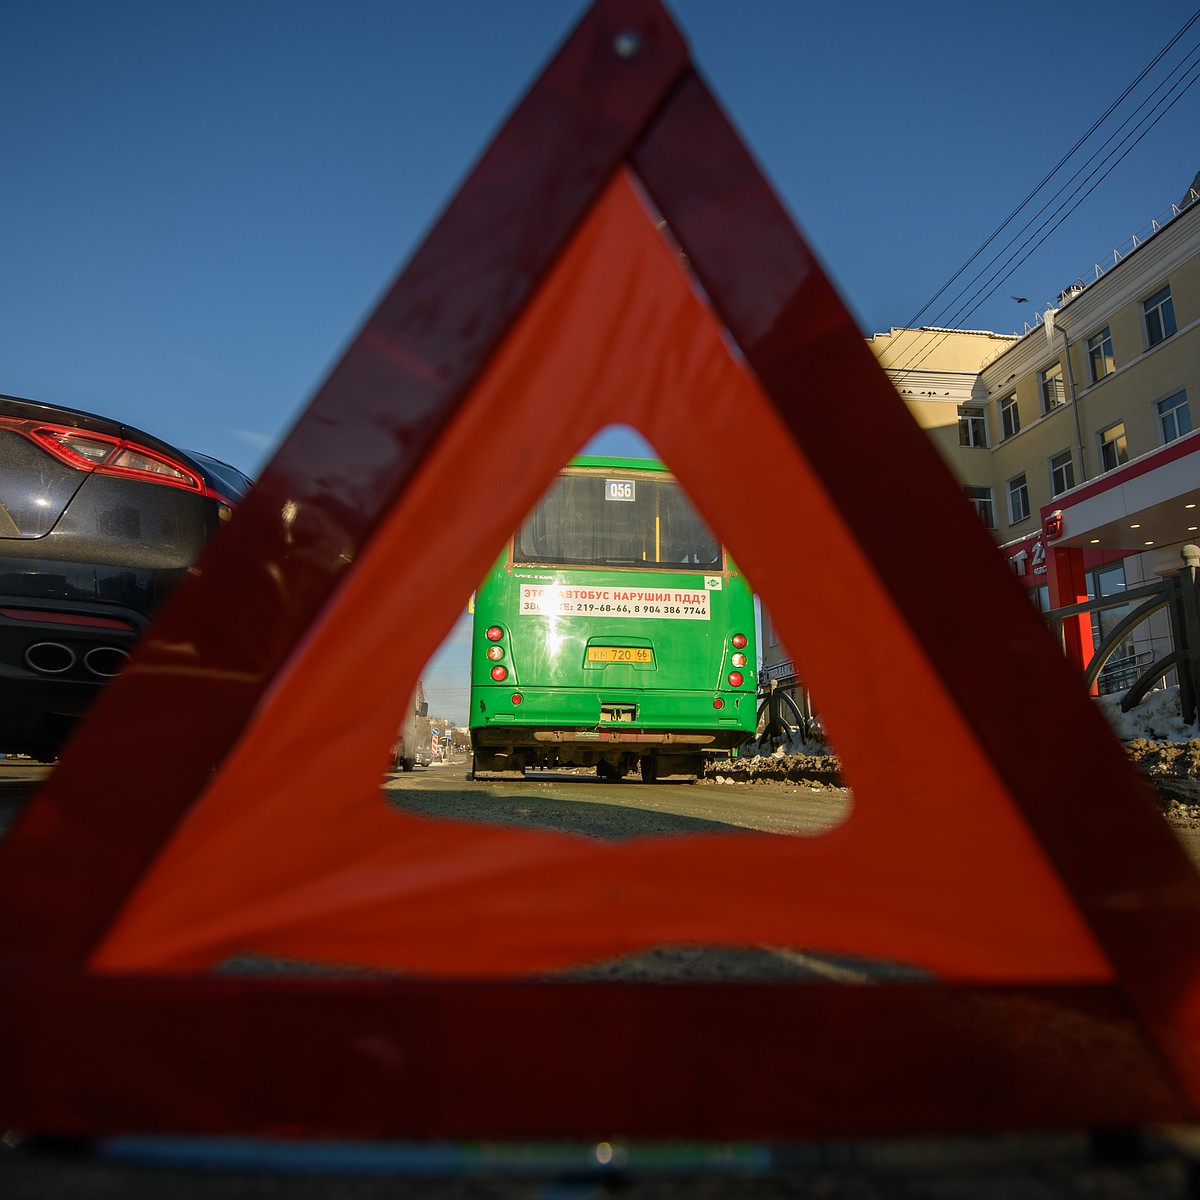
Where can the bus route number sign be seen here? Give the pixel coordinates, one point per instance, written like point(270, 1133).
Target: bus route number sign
point(618, 489)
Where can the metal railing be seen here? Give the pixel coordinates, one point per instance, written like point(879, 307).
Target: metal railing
point(785, 706)
point(1179, 595)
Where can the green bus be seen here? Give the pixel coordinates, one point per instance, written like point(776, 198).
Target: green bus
point(613, 631)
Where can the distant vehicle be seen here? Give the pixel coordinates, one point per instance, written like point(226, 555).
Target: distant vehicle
point(614, 631)
point(414, 744)
point(98, 523)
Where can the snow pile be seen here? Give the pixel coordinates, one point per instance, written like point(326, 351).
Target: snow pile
point(1156, 718)
point(1159, 744)
point(1162, 747)
point(796, 758)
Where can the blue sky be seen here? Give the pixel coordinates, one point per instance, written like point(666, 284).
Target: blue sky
point(202, 202)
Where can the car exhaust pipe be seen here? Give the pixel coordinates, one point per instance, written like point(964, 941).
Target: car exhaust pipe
point(49, 658)
point(105, 661)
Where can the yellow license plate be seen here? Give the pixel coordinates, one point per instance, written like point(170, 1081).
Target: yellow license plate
point(620, 654)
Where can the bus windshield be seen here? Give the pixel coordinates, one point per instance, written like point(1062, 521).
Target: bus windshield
point(616, 518)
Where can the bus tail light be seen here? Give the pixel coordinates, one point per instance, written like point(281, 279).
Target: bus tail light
point(495, 653)
point(718, 702)
point(517, 698)
point(735, 679)
point(499, 674)
point(739, 640)
point(494, 633)
point(738, 660)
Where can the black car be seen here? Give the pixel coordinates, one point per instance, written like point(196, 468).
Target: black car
point(98, 522)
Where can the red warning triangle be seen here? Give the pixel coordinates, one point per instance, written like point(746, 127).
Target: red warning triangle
point(405, 892)
point(1023, 866)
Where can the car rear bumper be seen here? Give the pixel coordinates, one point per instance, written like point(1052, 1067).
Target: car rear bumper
point(54, 660)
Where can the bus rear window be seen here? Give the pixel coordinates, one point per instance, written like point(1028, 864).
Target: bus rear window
point(617, 520)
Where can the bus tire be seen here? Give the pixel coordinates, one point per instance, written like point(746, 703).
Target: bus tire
point(496, 767)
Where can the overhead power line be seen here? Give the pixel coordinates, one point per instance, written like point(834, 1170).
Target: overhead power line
point(1162, 105)
point(1056, 168)
point(1180, 79)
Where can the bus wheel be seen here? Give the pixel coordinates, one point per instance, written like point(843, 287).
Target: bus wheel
point(607, 770)
point(649, 766)
point(496, 766)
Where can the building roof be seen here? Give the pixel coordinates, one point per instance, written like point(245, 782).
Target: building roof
point(932, 349)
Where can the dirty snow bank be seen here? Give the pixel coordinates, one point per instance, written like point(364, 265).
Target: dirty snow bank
point(1160, 745)
point(796, 759)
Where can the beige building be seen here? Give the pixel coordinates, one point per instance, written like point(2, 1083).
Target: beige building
point(1074, 441)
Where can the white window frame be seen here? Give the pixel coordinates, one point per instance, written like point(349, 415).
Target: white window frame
point(1172, 412)
point(1018, 491)
point(1114, 435)
point(1050, 383)
point(981, 499)
point(1062, 472)
point(1159, 310)
point(1100, 353)
point(972, 427)
point(1008, 407)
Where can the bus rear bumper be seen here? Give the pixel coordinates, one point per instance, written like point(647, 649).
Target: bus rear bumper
point(517, 736)
point(613, 752)
point(624, 737)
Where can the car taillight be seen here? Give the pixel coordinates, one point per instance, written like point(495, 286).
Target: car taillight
point(103, 454)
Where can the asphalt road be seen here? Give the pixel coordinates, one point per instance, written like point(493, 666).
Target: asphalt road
point(579, 802)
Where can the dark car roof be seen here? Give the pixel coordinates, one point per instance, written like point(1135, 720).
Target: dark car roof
point(236, 484)
point(60, 414)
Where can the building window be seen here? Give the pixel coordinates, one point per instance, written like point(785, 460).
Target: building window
point(1114, 450)
point(1100, 355)
point(770, 634)
point(1052, 387)
point(1018, 499)
point(1062, 473)
point(981, 500)
point(1174, 417)
point(1010, 416)
point(1120, 673)
point(1160, 317)
point(972, 427)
